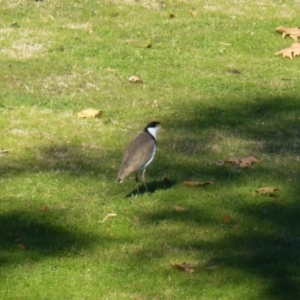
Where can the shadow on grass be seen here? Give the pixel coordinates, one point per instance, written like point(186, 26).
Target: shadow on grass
point(152, 186)
point(29, 236)
point(272, 255)
point(265, 245)
point(271, 122)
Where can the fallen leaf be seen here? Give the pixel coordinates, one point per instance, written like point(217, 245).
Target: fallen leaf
point(22, 246)
point(141, 44)
point(44, 208)
point(293, 32)
point(197, 183)
point(290, 52)
point(179, 208)
point(188, 267)
point(135, 79)
point(171, 16)
point(267, 191)
point(242, 163)
point(248, 161)
point(89, 113)
point(226, 219)
point(194, 13)
point(110, 215)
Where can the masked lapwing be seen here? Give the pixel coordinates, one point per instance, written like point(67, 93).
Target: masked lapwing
point(139, 154)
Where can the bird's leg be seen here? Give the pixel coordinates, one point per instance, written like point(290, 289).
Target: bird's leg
point(144, 180)
point(137, 183)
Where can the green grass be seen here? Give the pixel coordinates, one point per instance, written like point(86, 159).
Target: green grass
point(58, 181)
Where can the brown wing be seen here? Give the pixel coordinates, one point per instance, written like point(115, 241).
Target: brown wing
point(137, 154)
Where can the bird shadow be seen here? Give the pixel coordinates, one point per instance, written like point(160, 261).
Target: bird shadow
point(152, 186)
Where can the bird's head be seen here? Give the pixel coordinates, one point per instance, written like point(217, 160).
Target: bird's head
point(153, 128)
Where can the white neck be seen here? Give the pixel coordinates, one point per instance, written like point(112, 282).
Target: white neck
point(153, 131)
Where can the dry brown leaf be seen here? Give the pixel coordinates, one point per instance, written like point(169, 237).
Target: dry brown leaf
point(248, 161)
point(135, 79)
point(226, 219)
point(242, 163)
point(197, 183)
point(188, 267)
point(267, 191)
point(179, 208)
point(194, 13)
point(290, 52)
point(44, 208)
point(89, 113)
point(22, 246)
point(171, 16)
point(293, 32)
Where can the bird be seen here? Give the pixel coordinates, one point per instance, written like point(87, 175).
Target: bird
point(139, 154)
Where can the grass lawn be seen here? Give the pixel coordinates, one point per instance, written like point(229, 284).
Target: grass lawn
point(214, 83)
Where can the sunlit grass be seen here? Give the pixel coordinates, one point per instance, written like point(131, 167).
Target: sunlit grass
point(220, 93)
